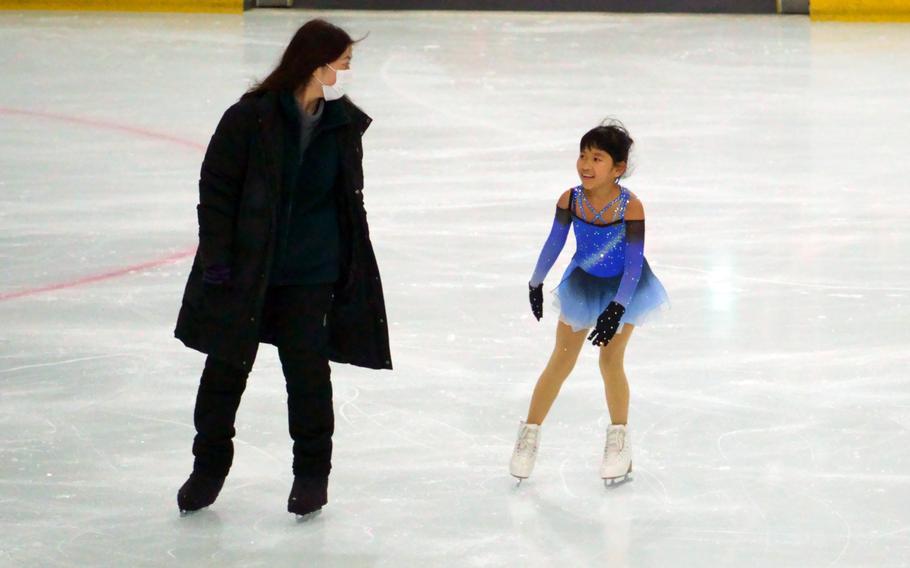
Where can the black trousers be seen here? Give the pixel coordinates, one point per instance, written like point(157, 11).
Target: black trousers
point(294, 320)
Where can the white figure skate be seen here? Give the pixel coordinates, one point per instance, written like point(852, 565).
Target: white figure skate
point(525, 452)
point(617, 463)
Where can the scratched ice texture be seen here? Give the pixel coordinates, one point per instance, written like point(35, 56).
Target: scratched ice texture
point(770, 407)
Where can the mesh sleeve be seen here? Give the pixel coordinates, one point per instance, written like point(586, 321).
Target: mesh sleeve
point(635, 259)
point(553, 246)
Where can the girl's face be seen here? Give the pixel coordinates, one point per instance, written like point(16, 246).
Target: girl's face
point(597, 170)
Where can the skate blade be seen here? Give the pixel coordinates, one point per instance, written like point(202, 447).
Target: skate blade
point(611, 482)
point(520, 479)
point(308, 516)
point(620, 480)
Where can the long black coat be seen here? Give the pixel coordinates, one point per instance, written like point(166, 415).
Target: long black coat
point(239, 195)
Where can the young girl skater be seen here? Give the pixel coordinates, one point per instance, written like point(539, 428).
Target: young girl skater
point(608, 285)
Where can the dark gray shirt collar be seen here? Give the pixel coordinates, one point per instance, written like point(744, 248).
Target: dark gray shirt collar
point(311, 119)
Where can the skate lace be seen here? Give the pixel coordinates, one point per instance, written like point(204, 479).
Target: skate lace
point(526, 441)
point(614, 445)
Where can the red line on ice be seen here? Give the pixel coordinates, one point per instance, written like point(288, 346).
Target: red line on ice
point(100, 277)
point(118, 127)
point(105, 125)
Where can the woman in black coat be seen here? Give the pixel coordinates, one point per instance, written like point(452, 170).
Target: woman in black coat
point(285, 258)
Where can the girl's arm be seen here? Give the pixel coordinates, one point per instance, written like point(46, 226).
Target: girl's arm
point(554, 243)
point(635, 252)
point(609, 319)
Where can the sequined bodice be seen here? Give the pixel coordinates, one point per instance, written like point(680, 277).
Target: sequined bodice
point(600, 243)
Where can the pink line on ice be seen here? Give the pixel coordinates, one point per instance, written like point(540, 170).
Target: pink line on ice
point(117, 127)
point(105, 125)
point(100, 277)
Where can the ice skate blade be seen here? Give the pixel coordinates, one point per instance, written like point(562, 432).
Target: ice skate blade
point(621, 480)
point(520, 479)
point(611, 482)
point(309, 516)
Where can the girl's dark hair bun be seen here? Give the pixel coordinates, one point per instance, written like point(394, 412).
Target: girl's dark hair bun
point(611, 137)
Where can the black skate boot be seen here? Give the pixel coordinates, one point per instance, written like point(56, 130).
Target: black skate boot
point(308, 495)
point(198, 492)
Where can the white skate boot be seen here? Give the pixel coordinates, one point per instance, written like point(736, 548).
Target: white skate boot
point(525, 452)
point(617, 464)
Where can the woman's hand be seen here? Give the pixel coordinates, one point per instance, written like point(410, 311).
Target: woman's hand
point(535, 294)
point(607, 324)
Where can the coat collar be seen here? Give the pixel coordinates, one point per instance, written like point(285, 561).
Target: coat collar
point(268, 106)
point(334, 113)
point(359, 118)
point(272, 134)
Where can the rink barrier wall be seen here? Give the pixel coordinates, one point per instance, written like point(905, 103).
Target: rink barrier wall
point(800, 7)
point(860, 10)
point(625, 6)
point(186, 6)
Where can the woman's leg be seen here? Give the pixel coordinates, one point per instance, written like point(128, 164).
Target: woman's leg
point(311, 419)
point(301, 336)
point(616, 387)
point(217, 400)
point(562, 360)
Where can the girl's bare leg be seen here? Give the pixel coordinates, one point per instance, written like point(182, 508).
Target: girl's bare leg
point(616, 387)
point(562, 361)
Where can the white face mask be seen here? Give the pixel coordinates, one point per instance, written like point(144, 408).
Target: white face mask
point(343, 79)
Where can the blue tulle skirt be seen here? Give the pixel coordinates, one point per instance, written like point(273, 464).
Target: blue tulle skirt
point(581, 297)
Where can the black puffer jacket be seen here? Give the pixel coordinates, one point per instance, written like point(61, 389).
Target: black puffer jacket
point(239, 195)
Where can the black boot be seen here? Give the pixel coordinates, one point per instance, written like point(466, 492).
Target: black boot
point(308, 494)
point(199, 491)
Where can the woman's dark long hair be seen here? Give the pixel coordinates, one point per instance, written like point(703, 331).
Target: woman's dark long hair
point(315, 44)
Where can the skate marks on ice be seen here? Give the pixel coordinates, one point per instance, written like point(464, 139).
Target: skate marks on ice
point(581, 530)
point(64, 362)
point(420, 66)
point(718, 483)
point(748, 489)
point(765, 493)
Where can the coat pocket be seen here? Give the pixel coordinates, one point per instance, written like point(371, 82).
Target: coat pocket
point(219, 302)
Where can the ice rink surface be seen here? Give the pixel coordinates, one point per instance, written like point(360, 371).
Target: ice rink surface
point(770, 407)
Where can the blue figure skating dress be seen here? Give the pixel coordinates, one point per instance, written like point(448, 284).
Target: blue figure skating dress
point(608, 264)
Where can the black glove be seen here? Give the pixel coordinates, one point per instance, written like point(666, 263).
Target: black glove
point(535, 294)
point(217, 275)
point(607, 324)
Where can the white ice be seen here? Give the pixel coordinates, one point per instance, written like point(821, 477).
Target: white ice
point(770, 407)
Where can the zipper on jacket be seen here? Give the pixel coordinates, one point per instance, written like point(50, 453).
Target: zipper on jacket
point(291, 190)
